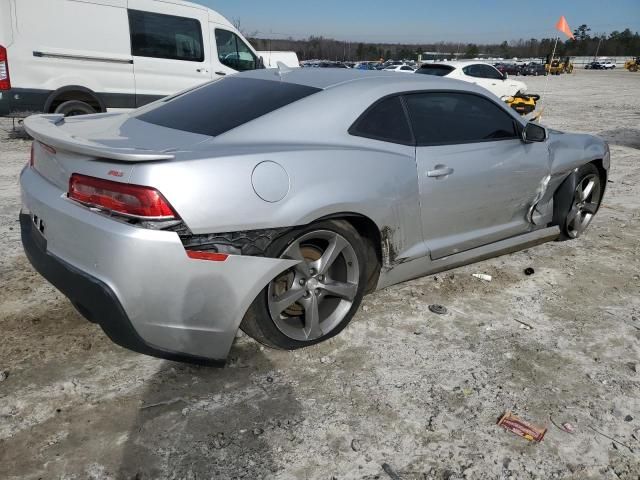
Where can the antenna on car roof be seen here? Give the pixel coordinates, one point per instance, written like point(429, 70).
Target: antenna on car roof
point(282, 69)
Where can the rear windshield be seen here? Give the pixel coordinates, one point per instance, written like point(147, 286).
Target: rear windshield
point(225, 104)
point(437, 70)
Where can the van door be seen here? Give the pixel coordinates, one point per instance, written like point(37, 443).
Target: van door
point(233, 53)
point(169, 48)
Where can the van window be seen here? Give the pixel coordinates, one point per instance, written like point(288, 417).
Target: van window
point(222, 105)
point(233, 52)
point(165, 36)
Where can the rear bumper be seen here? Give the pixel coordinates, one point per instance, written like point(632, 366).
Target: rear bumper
point(23, 101)
point(139, 284)
point(92, 297)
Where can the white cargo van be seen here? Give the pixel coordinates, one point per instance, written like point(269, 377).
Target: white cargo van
point(85, 56)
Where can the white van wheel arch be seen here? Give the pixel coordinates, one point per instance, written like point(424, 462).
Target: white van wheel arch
point(74, 93)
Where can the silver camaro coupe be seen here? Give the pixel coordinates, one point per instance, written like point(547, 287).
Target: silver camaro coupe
point(272, 201)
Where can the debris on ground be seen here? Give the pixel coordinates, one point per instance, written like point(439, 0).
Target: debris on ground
point(565, 427)
point(483, 276)
point(4, 374)
point(529, 271)
point(522, 428)
point(524, 326)
point(391, 472)
point(612, 439)
point(165, 403)
point(355, 445)
point(438, 309)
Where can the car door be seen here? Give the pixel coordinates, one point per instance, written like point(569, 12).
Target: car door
point(168, 48)
point(477, 177)
point(488, 77)
point(232, 53)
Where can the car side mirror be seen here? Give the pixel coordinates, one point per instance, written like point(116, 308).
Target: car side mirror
point(260, 63)
point(505, 75)
point(534, 132)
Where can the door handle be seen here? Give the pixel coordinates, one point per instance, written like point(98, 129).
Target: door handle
point(440, 171)
point(220, 73)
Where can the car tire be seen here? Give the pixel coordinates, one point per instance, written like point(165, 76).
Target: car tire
point(73, 108)
point(586, 198)
point(278, 325)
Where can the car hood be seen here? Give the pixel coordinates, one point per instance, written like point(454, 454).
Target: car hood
point(517, 86)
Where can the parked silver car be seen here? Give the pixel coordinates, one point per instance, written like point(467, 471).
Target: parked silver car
point(273, 201)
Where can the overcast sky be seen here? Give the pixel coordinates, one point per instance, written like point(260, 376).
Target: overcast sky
point(424, 21)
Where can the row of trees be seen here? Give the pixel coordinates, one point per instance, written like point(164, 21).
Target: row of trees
point(625, 43)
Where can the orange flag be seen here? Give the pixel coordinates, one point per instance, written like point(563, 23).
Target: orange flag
point(563, 26)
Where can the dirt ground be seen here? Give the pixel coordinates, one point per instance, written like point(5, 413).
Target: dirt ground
point(400, 386)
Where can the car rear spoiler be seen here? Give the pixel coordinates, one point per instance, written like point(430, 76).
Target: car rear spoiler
point(45, 129)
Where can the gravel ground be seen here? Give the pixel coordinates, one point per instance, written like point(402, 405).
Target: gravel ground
point(400, 386)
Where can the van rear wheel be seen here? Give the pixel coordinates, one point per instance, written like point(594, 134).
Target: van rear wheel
point(73, 108)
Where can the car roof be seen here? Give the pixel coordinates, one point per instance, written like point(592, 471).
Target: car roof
point(461, 63)
point(327, 78)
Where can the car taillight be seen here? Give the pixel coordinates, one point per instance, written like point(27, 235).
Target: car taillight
point(5, 81)
point(123, 198)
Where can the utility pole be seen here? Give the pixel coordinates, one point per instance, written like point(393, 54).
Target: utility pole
point(597, 49)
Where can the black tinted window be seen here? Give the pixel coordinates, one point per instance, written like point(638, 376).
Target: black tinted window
point(165, 36)
point(482, 71)
point(233, 52)
point(437, 70)
point(385, 121)
point(224, 104)
point(448, 118)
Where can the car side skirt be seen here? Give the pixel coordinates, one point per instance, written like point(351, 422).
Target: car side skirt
point(421, 267)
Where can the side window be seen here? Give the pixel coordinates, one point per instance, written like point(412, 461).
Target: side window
point(482, 71)
point(165, 36)
point(386, 121)
point(450, 118)
point(233, 52)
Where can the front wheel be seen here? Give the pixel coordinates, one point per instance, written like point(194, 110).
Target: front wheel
point(317, 298)
point(586, 202)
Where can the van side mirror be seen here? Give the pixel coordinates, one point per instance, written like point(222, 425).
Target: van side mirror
point(534, 132)
point(260, 63)
point(505, 75)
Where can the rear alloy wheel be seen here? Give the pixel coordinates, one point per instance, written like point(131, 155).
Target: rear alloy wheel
point(586, 201)
point(317, 298)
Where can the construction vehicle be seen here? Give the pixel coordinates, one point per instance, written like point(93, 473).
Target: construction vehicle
point(556, 66)
point(632, 65)
point(568, 66)
point(523, 103)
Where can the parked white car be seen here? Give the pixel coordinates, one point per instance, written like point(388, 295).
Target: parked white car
point(478, 73)
point(76, 57)
point(607, 65)
point(400, 69)
point(271, 59)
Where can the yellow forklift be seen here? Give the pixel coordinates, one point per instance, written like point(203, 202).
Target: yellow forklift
point(556, 66)
point(632, 65)
point(568, 66)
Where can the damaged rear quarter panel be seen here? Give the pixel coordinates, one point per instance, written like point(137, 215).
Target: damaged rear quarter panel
point(215, 195)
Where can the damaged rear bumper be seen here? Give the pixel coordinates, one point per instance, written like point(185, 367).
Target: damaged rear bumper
point(138, 284)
